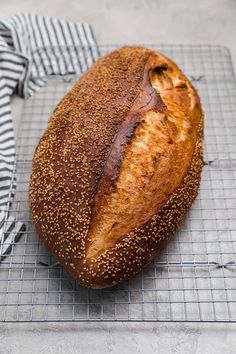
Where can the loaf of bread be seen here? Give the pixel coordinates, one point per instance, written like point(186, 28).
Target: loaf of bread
point(118, 166)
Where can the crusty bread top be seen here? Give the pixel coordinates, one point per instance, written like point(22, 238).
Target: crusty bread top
point(150, 155)
point(116, 147)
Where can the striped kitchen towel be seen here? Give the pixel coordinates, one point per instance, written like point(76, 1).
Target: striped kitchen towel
point(31, 48)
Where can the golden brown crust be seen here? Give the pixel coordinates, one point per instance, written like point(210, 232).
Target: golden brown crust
point(80, 166)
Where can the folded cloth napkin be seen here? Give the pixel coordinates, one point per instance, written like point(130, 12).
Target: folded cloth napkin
point(31, 48)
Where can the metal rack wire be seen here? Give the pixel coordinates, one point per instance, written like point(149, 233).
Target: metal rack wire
point(195, 278)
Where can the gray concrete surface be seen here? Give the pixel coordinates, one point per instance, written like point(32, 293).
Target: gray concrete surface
point(135, 338)
point(132, 21)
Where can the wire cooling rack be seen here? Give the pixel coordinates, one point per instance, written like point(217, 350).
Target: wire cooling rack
point(194, 279)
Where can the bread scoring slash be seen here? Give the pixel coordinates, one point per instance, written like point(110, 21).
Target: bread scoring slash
point(118, 166)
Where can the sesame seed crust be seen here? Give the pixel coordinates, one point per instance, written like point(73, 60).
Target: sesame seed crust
point(71, 159)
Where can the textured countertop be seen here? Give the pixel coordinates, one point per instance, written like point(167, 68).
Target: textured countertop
point(140, 21)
